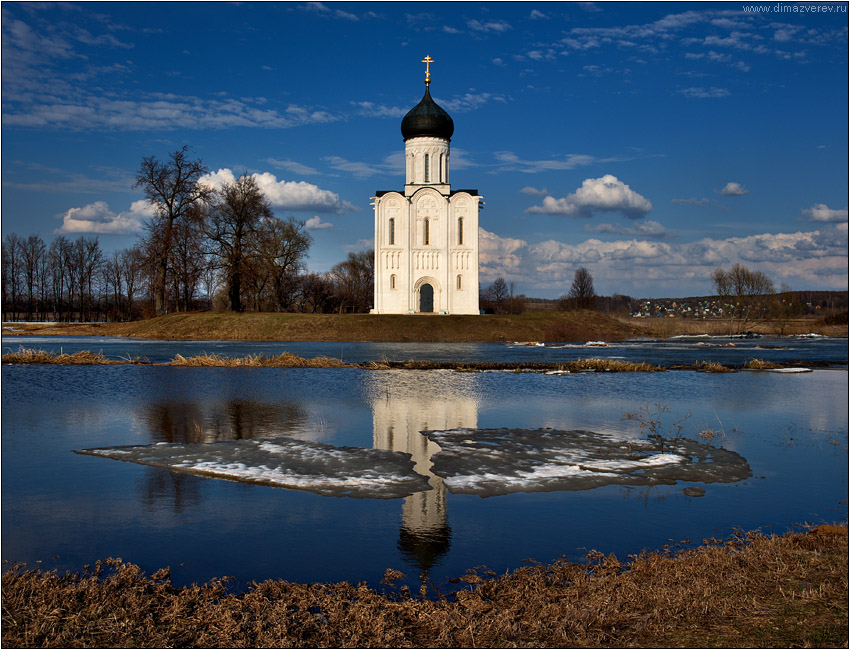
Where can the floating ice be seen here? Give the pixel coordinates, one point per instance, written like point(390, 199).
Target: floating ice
point(489, 462)
point(791, 370)
point(283, 462)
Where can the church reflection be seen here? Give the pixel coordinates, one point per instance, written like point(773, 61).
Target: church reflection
point(402, 407)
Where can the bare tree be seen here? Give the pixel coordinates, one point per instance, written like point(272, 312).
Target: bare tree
point(172, 188)
point(742, 292)
point(232, 227)
point(12, 270)
point(582, 295)
point(283, 248)
point(354, 280)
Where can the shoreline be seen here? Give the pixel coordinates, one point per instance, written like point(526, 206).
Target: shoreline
point(751, 590)
point(26, 356)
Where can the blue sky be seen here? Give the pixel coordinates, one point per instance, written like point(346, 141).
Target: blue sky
point(649, 142)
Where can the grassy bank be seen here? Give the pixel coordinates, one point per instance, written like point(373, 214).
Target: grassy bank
point(751, 591)
point(575, 326)
point(532, 326)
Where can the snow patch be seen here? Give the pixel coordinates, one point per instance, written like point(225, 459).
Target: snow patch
point(312, 466)
point(490, 462)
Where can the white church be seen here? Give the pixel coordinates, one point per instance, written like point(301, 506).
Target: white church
point(426, 237)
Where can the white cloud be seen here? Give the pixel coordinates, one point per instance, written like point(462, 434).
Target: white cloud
point(508, 161)
point(704, 93)
point(535, 14)
point(820, 212)
point(316, 223)
point(733, 189)
point(691, 201)
point(533, 191)
point(637, 265)
point(292, 166)
point(298, 196)
point(97, 218)
point(605, 194)
point(497, 26)
point(649, 229)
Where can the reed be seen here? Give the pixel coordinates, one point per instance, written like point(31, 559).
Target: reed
point(284, 360)
point(84, 357)
point(752, 590)
point(760, 364)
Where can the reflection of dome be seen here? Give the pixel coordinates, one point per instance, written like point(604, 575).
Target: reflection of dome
point(423, 548)
point(426, 119)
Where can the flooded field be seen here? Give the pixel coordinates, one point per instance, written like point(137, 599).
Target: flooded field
point(326, 474)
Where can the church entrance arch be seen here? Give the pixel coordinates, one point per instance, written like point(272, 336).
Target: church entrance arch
point(426, 295)
point(426, 298)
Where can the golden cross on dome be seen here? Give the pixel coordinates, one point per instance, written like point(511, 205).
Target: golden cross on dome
point(427, 61)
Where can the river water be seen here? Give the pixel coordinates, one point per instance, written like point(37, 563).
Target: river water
point(335, 481)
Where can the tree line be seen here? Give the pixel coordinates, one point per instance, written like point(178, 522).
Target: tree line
point(204, 248)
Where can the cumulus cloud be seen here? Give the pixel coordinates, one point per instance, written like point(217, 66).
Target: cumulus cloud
point(733, 189)
point(298, 196)
point(820, 212)
point(316, 223)
point(98, 219)
point(605, 194)
point(638, 265)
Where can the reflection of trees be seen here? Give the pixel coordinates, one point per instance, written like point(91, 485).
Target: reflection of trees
point(235, 419)
point(192, 422)
point(402, 406)
point(163, 489)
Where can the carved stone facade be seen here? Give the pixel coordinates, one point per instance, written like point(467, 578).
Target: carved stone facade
point(426, 237)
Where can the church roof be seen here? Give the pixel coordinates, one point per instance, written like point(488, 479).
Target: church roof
point(427, 119)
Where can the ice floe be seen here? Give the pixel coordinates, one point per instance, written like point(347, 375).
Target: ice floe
point(282, 462)
point(489, 462)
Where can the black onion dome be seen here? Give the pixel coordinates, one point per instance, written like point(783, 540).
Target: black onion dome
point(427, 119)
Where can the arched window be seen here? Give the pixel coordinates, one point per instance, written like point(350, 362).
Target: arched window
point(459, 282)
point(392, 282)
point(427, 239)
point(460, 233)
point(392, 232)
point(427, 169)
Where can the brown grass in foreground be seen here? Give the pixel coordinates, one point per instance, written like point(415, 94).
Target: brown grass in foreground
point(751, 591)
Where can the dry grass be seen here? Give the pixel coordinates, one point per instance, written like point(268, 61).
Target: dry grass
point(288, 360)
point(84, 357)
point(750, 591)
point(285, 360)
point(761, 364)
point(713, 366)
point(608, 365)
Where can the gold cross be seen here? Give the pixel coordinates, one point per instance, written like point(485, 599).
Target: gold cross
point(427, 61)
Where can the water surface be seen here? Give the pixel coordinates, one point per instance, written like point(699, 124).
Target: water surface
point(66, 510)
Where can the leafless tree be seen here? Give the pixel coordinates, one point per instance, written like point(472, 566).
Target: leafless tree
point(172, 188)
point(232, 226)
point(354, 282)
point(582, 295)
point(12, 271)
point(742, 293)
point(283, 248)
